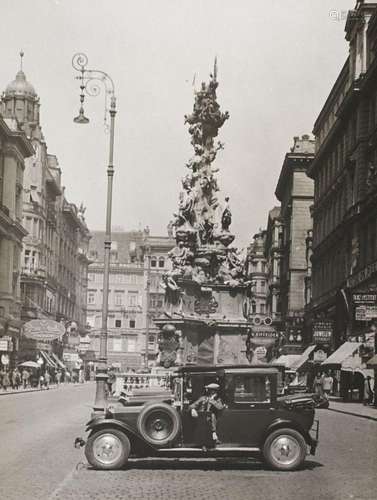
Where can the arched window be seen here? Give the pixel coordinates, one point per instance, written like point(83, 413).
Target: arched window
point(253, 307)
point(153, 262)
point(161, 262)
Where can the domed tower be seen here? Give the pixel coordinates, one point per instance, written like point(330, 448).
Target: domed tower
point(20, 101)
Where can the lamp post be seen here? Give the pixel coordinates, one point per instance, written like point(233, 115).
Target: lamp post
point(147, 305)
point(90, 81)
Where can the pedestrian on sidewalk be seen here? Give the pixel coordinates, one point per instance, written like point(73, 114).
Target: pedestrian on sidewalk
point(368, 391)
point(6, 380)
point(58, 377)
point(15, 379)
point(41, 381)
point(318, 384)
point(328, 383)
point(47, 379)
point(25, 378)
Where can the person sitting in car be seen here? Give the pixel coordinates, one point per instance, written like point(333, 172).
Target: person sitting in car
point(210, 404)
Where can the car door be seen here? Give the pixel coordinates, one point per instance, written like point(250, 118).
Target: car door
point(250, 408)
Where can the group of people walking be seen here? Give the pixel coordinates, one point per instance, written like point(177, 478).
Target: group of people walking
point(25, 378)
point(324, 384)
point(10, 379)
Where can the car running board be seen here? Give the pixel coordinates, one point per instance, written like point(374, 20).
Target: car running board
point(218, 448)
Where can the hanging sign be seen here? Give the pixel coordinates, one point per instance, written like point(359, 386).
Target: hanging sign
point(322, 331)
point(43, 329)
point(365, 306)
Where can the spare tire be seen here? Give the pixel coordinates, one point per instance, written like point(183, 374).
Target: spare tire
point(159, 423)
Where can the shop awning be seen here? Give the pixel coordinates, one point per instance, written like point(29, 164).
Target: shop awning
point(364, 371)
point(372, 363)
point(48, 360)
point(345, 351)
point(288, 360)
point(58, 362)
point(303, 357)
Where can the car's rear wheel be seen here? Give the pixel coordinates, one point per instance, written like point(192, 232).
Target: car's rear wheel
point(107, 449)
point(284, 449)
point(159, 424)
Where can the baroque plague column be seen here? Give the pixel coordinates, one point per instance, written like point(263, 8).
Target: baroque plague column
point(206, 302)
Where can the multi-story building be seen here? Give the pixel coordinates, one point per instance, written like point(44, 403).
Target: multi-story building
point(345, 178)
point(273, 254)
point(14, 149)
point(53, 261)
point(295, 191)
point(257, 274)
point(137, 261)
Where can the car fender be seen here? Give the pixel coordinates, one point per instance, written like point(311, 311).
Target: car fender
point(99, 423)
point(281, 423)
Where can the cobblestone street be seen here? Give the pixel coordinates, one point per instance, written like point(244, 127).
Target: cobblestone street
point(46, 465)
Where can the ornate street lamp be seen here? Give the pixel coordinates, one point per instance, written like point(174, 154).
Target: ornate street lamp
point(90, 83)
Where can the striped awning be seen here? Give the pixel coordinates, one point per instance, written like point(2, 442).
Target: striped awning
point(48, 360)
point(58, 361)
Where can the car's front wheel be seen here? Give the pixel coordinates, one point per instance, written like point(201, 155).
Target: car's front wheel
point(284, 449)
point(107, 449)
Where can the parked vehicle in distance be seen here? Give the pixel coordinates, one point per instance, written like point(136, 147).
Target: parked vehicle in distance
point(256, 421)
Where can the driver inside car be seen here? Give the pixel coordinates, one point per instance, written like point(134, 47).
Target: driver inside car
point(210, 404)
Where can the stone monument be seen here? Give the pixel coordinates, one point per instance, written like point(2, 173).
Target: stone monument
point(206, 291)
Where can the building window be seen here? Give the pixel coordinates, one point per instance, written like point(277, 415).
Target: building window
point(161, 262)
point(262, 310)
point(118, 323)
point(253, 307)
point(118, 298)
point(91, 297)
point(131, 344)
point(132, 323)
point(262, 285)
point(117, 345)
point(133, 298)
point(153, 262)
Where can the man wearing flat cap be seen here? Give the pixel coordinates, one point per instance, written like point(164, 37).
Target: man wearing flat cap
point(210, 404)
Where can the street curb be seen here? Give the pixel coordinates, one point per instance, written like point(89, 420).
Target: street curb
point(11, 393)
point(353, 414)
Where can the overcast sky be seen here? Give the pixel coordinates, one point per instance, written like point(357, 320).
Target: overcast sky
point(277, 61)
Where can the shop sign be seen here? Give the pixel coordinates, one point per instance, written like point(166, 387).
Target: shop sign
point(4, 345)
point(365, 313)
point(5, 359)
point(362, 275)
point(365, 306)
point(43, 330)
point(319, 356)
point(322, 331)
point(70, 356)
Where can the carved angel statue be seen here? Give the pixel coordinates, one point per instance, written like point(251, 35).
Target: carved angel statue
point(226, 218)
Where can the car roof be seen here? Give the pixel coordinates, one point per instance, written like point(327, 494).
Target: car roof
point(265, 367)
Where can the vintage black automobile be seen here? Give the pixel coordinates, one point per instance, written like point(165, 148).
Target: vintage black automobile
point(256, 421)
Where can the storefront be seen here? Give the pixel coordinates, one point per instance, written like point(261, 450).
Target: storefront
point(347, 366)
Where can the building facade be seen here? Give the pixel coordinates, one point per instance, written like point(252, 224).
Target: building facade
point(54, 255)
point(295, 191)
point(137, 262)
point(14, 149)
point(273, 254)
point(257, 273)
point(344, 172)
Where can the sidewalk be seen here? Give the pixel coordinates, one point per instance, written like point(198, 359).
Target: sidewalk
point(355, 409)
point(31, 389)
